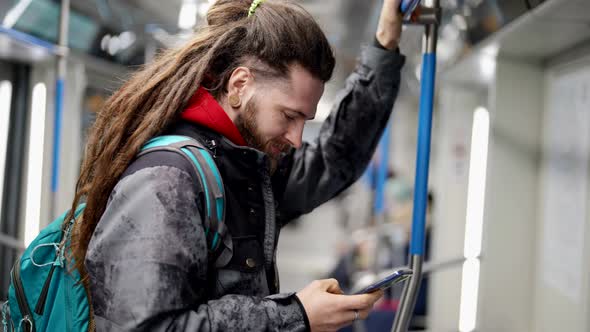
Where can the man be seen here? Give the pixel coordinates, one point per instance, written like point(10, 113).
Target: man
point(244, 87)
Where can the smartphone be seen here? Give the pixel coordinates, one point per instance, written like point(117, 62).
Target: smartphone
point(406, 7)
point(397, 276)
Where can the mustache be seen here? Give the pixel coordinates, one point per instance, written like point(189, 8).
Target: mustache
point(282, 146)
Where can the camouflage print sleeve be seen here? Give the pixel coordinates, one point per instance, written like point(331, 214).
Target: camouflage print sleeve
point(147, 263)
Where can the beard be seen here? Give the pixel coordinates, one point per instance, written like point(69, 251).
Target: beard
point(247, 126)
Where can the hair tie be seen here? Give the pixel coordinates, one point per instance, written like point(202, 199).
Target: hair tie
point(253, 7)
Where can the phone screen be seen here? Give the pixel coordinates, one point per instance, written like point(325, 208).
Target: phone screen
point(408, 6)
point(395, 277)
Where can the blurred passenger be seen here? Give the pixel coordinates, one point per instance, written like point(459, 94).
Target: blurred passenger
point(244, 87)
point(401, 219)
point(392, 251)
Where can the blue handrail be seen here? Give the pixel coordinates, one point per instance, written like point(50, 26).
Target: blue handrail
point(423, 154)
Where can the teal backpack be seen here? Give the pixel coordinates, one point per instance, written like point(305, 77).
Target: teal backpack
point(44, 296)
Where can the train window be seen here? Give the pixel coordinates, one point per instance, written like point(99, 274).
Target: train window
point(87, 33)
point(41, 19)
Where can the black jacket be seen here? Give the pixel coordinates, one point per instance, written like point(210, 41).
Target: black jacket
point(147, 259)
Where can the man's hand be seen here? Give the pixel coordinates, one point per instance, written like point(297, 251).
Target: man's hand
point(328, 310)
point(389, 29)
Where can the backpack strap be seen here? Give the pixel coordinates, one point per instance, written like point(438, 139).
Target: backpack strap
point(219, 245)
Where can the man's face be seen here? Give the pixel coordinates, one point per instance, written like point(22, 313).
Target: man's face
point(273, 118)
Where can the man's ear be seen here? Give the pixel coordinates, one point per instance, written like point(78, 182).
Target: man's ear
point(239, 81)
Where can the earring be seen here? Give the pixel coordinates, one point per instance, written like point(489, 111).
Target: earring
point(234, 101)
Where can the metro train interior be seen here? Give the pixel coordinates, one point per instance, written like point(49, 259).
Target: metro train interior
point(505, 249)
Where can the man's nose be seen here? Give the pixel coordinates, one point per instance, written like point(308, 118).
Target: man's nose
point(295, 134)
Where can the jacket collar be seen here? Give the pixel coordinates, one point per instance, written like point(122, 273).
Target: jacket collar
point(218, 144)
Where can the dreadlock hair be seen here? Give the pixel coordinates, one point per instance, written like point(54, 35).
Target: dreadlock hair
point(277, 35)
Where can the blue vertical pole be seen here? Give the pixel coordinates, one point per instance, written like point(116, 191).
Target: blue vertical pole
point(430, 17)
point(370, 175)
point(380, 179)
point(59, 102)
point(423, 154)
point(381, 172)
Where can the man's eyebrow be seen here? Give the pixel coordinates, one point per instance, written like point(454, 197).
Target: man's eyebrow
point(301, 114)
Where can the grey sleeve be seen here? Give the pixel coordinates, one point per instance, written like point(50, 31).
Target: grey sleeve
point(348, 138)
point(147, 263)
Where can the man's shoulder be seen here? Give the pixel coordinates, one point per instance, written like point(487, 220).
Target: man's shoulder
point(158, 158)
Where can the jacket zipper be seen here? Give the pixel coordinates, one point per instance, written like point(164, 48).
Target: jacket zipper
point(21, 297)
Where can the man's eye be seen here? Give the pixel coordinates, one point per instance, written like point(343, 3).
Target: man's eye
point(288, 117)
